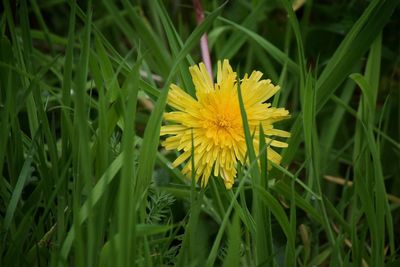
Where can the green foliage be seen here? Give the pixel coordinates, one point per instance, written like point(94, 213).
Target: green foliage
point(84, 182)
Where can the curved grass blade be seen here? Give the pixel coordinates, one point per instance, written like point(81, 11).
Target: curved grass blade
point(275, 52)
point(22, 178)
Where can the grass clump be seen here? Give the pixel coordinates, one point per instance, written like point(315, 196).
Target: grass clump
point(85, 182)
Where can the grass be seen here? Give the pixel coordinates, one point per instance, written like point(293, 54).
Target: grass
point(84, 181)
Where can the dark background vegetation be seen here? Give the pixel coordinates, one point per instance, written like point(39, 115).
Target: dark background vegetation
point(72, 99)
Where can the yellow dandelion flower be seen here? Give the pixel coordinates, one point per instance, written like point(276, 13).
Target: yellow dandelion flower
point(214, 121)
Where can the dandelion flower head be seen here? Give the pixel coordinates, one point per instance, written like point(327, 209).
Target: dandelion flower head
point(213, 121)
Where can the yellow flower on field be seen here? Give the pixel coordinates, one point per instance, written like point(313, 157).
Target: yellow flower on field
point(214, 121)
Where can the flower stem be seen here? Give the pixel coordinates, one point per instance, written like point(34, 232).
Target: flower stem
point(205, 53)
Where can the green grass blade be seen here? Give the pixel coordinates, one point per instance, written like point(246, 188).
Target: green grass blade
point(175, 43)
point(150, 39)
point(22, 178)
point(217, 241)
point(127, 211)
point(275, 52)
point(352, 48)
point(232, 258)
point(262, 217)
point(237, 39)
point(94, 196)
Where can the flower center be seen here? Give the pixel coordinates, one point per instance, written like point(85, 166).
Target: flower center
point(223, 121)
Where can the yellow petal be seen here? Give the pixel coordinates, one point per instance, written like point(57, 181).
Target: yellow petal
point(201, 78)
